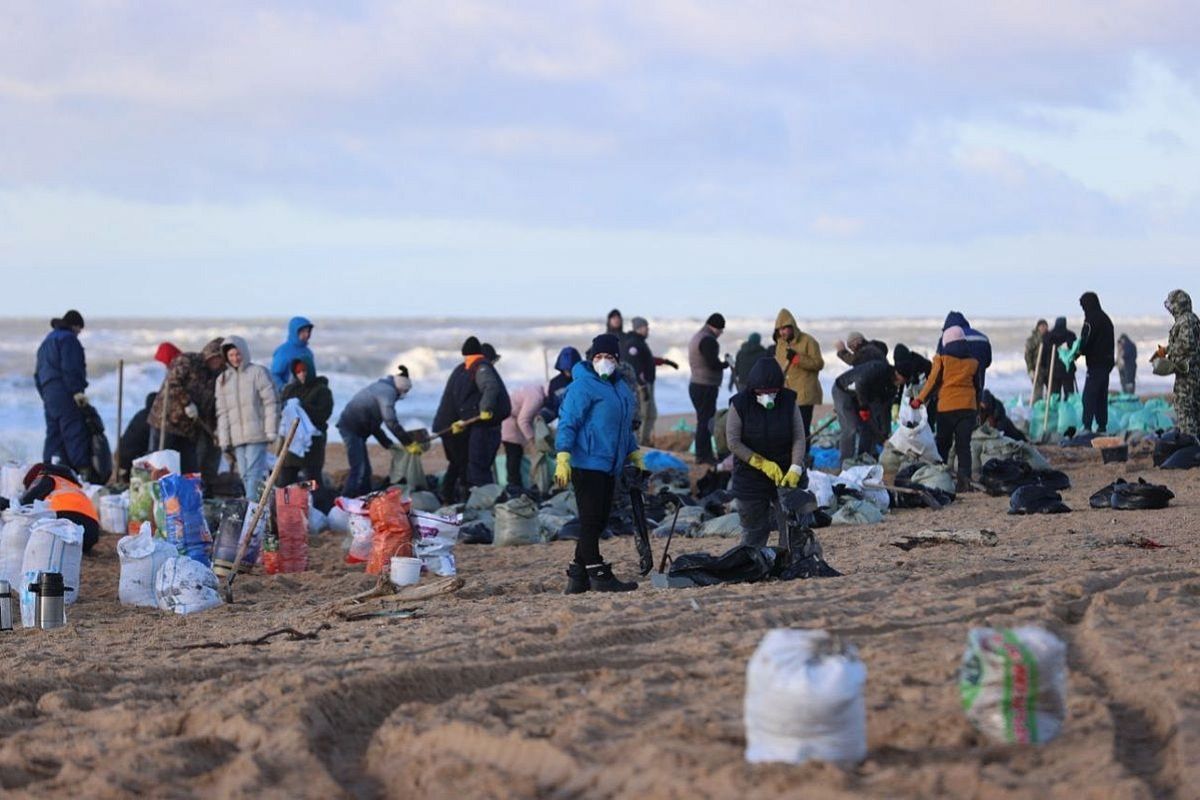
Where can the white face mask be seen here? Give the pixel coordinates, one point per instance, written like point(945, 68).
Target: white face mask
point(604, 367)
point(767, 401)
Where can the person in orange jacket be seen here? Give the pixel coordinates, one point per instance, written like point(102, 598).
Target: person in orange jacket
point(61, 489)
point(955, 377)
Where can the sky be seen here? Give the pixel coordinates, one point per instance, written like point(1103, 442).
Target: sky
point(237, 158)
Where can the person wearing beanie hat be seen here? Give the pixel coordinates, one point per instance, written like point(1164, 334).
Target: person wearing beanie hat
point(488, 351)
point(476, 402)
point(955, 379)
point(595, 441)
point(187, 397)
point(61, 380)
point(367, 415)
point(857, 349)
point(707, 372)
point(312, 391)
point(636, 353)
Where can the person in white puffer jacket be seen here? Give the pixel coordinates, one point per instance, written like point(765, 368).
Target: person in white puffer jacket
point(247, 413)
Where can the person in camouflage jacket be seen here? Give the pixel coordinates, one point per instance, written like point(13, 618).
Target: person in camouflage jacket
point(189, 392)
point(1183, 350)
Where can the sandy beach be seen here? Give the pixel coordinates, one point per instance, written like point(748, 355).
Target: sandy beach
point(509, 689)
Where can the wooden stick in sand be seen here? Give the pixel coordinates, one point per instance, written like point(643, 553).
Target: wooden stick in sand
point(165, 393)
point(1049, 383)
point(120, 420)
point(258, 512)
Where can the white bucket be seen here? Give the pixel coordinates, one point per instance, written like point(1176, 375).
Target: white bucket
point(406, 571)
point(113, 514)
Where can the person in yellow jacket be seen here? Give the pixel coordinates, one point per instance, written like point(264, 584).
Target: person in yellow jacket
point(799, 356)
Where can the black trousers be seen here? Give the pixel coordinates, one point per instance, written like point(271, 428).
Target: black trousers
point(454, 482)
point(806, 413)
point(955, 427)
point(594, 496)
point(514, 454)
point(311, 468)
point(704, 400)
point(1095, 399)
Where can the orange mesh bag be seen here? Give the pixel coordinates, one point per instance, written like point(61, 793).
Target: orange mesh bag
point(393, 531)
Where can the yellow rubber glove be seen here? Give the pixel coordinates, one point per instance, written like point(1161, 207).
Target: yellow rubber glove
point(457, 427)
point(768, 468)
point(484, 416)
point(562, 470)
point(638, 460)
point(413, 448)
point(792, 479)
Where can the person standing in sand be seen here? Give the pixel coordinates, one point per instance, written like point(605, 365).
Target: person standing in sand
point(704, 358)
point(955, 378)
point(188, 392)
point(369, 412)
point(595, 440)
point(636, 351)
point(295, 346)
point(481, 402)
point(247, 413)
point(61, 381)
point(799, 356)
point(1183, 351)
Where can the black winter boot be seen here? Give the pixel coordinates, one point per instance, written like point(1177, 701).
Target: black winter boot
point(577, 579)
point(603, 580)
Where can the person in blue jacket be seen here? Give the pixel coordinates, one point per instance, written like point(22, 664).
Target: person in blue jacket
point(568, 357)
point(61, 380)
point(595, 439)
point(296, 347)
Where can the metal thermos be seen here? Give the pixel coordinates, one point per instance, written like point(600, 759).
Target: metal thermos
point(6, 606)
point(50, 609)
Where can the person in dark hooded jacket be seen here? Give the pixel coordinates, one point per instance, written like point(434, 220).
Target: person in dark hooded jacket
point(312, 391)
point(481, 403)
point(1098, 349)
point(135, 441)
point(1127, 364)
point(863, 399)
point(747, 356)
point(61, 381)
point(992, 413)
point(635, 351)
point(765, 430)
point(568, 357)
point(296, 346)
point(978, 345)
point(1060, 377)
point(366, 415)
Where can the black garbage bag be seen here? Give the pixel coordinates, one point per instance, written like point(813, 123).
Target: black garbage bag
point(740, 564)
point(1037, 499)
point(1140, 495)
point(1080, 440)
point(476, 533)
point(1006, 475)
point(1103, 498)
point(1183, 458)
point(1171, 442)
point(102, 462)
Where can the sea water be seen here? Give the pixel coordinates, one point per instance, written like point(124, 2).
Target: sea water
point(353, 352)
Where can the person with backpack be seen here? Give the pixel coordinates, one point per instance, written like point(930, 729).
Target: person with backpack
point(956, 379)
point(369, 412)
point(766, 433)
point(595, 440)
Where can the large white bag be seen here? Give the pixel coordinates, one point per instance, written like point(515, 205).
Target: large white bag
point(862, 477)
point(185, 586)
point(804, 699)
point(55, 545)
point(821, 485)
point(161, 459)
point(141, 555)
point(114, 514)
point(1014, 683)
point(914, 437)
point(12, 481)
point(13, 538)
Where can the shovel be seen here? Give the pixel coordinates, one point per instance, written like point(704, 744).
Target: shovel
point(661, 579)
point(227, 588)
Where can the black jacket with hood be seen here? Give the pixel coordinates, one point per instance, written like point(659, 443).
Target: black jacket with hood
point(1096, 341)
point(776, 433)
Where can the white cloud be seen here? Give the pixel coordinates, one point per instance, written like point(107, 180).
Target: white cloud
point(837, 225)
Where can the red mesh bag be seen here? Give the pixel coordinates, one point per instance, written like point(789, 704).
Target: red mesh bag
point(291, 521)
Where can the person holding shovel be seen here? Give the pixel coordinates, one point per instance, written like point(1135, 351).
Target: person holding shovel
point(185, 407)
point(371, 410)
point(595, 440)
point(482, 403)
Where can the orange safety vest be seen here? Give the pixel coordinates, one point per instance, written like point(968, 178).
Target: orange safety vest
point(69, 497)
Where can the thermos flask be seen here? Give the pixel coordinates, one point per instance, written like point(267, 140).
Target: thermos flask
point(50, 610)
point(6, 606)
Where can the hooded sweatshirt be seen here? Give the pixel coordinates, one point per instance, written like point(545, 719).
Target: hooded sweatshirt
point(1096, 340)
point(290, 350)
point(568, 357)
point(800, 359)
point(978, 345)
point(527, 402)
point(747, 356)
point(776, 433)
point(1183, 343)
point(247, 403)
point(61, 365)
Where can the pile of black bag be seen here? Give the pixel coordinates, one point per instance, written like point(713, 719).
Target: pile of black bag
point(1177, 450)
point(1003, 476)
point(1125, 496)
